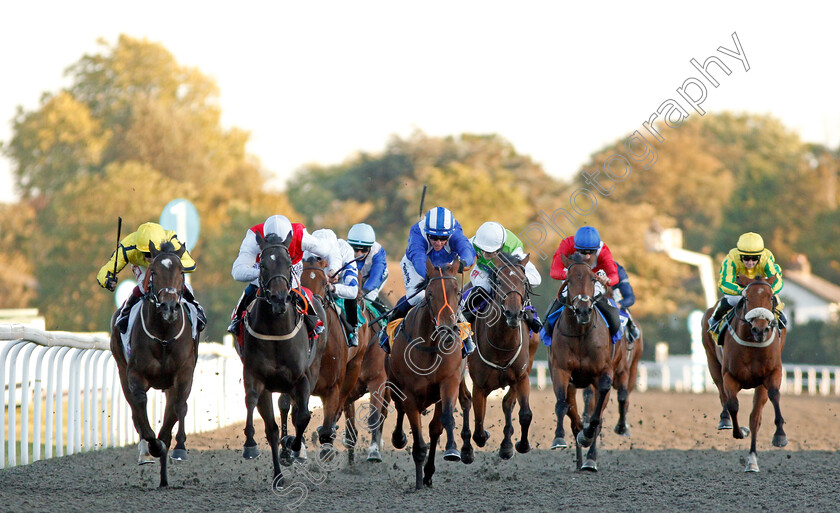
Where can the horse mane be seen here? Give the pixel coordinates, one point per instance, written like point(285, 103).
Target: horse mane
point(576, 258)
point(509, 259)
point(423, 284)
point(272, 239)
point(167, 247)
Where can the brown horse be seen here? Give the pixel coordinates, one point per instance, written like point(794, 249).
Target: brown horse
point(163, 355)
point(340, 365)
point(625, 372)
point(425, 367)
point(277, 354)
point(372, 380)
point(751, 357)
point(580, 356)
point(503, 357)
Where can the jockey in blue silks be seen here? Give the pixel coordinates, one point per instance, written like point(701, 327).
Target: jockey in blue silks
point(370, 259)
point(438, 237)
point(624, 296)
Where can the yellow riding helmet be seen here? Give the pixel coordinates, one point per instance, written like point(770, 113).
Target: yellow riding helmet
point(149, 232)
point(750, 243)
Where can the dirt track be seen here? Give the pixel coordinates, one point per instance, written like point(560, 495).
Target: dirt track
point(674, 461)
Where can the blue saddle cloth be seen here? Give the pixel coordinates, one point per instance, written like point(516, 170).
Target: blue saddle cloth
point(545, 335)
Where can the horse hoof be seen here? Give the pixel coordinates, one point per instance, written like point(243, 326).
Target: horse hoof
point(374, 456)
point(452, 455)
point(559, 443)
point(467, 455)
point(178, 455)
point(286, 441)
point(144, 457)
point(724, 424)
point(590, 466)
point(506, 451)
point(327, 454)
point(779, 441)
point(286, 459)
point(744, 431)
point(279, 483)
point(582, 440)
point(622, 430)
point(398, 440)
point(523, 447)
point(249, 453)
point(481, 438)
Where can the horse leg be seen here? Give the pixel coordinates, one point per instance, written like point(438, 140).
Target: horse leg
point(731, 389)
point(266, 409)
point(621, 427)
point(350, 433)
point(253, 389)
point(480, 410)
point(716, 371)
point(398, 438)
point(561, 408)
point(134, 388)
point(326, 432)
point(759, 400)
point(435, 430)
point(448, 395)
point(419, 449)
point(300, 413)
point(585, 437)
point(506, 449)
point(779, 437)
point(588, 403)
point(182, 389)
point(591, 463)
point(523, 393)
point(575, 421)
point(284, 404)
point(465, 399)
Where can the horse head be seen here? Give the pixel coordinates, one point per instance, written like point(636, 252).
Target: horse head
point(314, 276)
point(165, 280)
point(510, 286)
point(580, 288)
point(275, 271)
point(758, 305)
point(442, 296)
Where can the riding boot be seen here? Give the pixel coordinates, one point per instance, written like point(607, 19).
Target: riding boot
point(632, 330)
point(469, 345)
point(349, 328)
point(314, 326)
point(783, 321)
point(398, 312)
point(723, 306)
point(201, 317)
point(125, 312)
point(611, 314)
point(352, 314)
point(532, 319)
point(245, 299)
point(383, 341)
point(547, 325)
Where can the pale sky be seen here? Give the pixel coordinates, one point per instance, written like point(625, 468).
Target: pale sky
point(317, 81)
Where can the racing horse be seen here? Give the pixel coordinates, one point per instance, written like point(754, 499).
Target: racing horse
point(278, 355)
point(580, 355)
point(163, 354)
point(751, 357)
point(503, 357)
point(425, 368)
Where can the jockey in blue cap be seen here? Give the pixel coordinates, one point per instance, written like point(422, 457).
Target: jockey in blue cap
point(438, 237)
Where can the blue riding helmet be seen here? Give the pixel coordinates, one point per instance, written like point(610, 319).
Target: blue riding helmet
point(587, 237)
point(439, 222)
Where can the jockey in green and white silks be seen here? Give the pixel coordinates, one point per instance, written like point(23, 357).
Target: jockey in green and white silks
point(490, 239)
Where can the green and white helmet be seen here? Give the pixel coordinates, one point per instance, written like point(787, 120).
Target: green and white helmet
point(361, 234)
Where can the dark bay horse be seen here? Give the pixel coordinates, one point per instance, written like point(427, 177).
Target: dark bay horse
point(277, 355)
point(751, 357)
point(503, 357)
point(425, 368)
point(581, 355)
point(163, 354)
point(625, 372)
point(372, 380)
point(340, 365)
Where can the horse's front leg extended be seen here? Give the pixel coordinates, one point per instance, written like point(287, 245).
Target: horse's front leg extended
point(300, 414)
point(479, 402)
point(350, 433)
point(449, 395)
point(435, 430)
point(731, 389)
point(465, 399)
point(419, 449)
point(284, 404)
point(180, 392)
point(272, 432)
point(759, 400)
point(523, 393)
point(585, 437)
point(506, 449)
point(779, 437)
point(560, 379)
point(253, 389)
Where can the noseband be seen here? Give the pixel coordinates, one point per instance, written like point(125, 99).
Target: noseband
point(758, 312)
point(265, 282)
point(503, 296)
point(154, 296)
point(436, 318)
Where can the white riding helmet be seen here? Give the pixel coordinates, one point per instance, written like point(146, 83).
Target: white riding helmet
point(490, 237)
point(278, 225)
point(361, 234)
point(327, 235)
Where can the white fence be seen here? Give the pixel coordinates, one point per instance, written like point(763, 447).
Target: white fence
point(676, 374)
point(65, 391)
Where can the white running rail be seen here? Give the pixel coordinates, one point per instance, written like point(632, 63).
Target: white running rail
point(65, 391)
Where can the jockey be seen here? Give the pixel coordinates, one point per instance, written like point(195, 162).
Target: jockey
point(246, 267)
point(371, 263)
point(438, 237)
point(344, 285)
point(751, 259)
point(624, 296)
point(490, 239)
point(134, 250)
point(587, 242)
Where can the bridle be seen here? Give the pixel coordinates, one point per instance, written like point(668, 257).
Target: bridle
point(759, 311)
point(436, 317)
point(573, 302)
point(265, 282)
point(502, 297)
point(154, 296)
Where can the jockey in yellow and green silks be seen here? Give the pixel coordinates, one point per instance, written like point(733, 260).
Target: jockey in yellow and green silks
point(751, 259)
point(134, 249)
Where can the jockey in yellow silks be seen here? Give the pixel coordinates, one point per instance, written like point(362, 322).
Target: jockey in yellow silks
point(751, 259)
point(134, 250)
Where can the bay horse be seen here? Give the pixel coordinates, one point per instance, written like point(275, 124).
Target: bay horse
point(425, 368)
point(340, 365)
point(625, 372)
point(503, 357)
point(751, 357)
point(372, 380)
point(277, 355)
point(580, 355)
point(163, 354)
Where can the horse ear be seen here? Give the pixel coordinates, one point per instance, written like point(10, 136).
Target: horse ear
point(772, 279)
point(743, 280)
point(566, 260)
point(153, 249)
point(429, 267)
point(288, 241)
point(525, 260)
point(562, 283)
point(322, 263)
point(455, 266)
point(260, 239)
point(181, 250)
